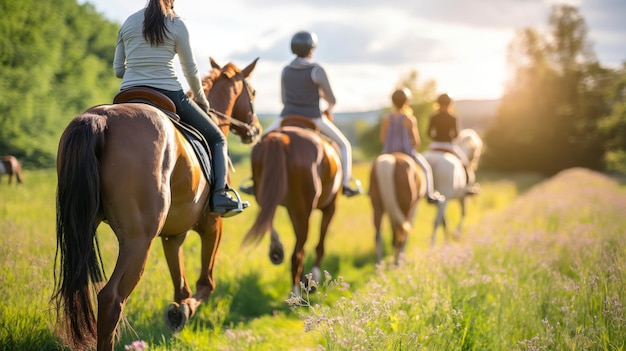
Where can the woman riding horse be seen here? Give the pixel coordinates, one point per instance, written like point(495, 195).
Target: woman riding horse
point(444, 129)
point(146, 45)
point(303, 83)
point(127, 164)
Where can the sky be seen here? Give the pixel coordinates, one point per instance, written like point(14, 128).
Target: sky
point(367, 46)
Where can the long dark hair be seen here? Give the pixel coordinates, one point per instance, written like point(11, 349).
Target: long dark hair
point(154, 29)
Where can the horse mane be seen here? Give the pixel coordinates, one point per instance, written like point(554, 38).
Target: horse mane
point(229, 70)
point(471, 143)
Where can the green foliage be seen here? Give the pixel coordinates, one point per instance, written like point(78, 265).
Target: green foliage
point(55, 60)
point(613, 126)
point(247, 311)
point(545, 273)
point(549, 116)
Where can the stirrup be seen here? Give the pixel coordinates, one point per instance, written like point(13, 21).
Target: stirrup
point(473, 189)
point(435, 198)
point(241, 205)
point(350, 191)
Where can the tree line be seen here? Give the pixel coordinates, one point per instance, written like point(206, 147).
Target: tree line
point(55, 61)
point(561, 108)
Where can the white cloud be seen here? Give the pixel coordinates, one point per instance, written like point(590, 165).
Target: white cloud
point(367, 46)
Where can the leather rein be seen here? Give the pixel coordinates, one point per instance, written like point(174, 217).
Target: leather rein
point(250, 128)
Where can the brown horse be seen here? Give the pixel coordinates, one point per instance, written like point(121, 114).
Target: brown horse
point(127, 165)
point(11, 166)
point(396, 185)
point(297, 168)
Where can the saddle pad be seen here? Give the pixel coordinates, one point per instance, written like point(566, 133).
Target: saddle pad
point(195, 139)
point(199, 145)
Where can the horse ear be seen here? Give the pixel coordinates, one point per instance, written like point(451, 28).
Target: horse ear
point(214, 64)
point(246, 71)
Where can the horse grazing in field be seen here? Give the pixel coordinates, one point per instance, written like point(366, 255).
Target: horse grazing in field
point(450, 177)
point(294, 166)
point(11, 166)
point(397, 183)
point(128, 165)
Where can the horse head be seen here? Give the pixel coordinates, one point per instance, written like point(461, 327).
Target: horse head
point(471, 144)
point(236, 98)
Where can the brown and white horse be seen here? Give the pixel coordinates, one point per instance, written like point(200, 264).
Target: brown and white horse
point(397, 184)
point(127, 165)
point(11, 166)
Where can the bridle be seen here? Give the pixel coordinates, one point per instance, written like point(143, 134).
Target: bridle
point(250, 125)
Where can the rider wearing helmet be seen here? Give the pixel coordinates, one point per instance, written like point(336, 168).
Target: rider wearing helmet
point(443, 129)
point(303, 84)
point(399, 133)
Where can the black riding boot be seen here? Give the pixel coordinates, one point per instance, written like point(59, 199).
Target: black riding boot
point(221, 201)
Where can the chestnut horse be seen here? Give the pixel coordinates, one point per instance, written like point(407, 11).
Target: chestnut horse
point(397, 183)
point(126, 164)
point(450, 178)
point(299, 169)
point(11, 166)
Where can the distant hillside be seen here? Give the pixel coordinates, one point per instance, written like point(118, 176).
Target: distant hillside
point(474, 114)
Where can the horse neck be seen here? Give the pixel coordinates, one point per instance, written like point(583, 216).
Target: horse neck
point(222, 101)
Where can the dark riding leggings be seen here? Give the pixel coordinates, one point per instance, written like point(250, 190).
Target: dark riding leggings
point(191, 113)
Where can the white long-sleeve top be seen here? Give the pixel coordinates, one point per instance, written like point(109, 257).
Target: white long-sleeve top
point(139, 63)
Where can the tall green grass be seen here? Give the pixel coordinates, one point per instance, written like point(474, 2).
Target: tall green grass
point(547, 272)
point(248, 309)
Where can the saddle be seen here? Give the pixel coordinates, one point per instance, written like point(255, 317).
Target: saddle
point(442, 149)
point(298, 121)
point(147, 95)
point(164, 103)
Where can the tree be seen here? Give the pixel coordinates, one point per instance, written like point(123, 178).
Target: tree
point(549, 114)
point(55, 61)
point(613, 126)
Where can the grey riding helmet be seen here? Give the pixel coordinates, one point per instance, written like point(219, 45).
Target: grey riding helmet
point(302, 43)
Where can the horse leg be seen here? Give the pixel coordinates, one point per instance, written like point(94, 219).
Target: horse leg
point(327, 216)
point(378, 216)
point(210, 235)
point(439, 220)
point(172, 248)
point(459, 228)
point(300, 223)
point(133, 254)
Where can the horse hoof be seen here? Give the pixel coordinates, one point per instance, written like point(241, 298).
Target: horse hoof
point(176, 317)
point(277, 256)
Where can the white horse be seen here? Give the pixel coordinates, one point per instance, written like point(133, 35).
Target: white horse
point(450, 178)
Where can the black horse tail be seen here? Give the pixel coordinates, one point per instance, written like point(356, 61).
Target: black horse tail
point(272, 187)
point(77, 205)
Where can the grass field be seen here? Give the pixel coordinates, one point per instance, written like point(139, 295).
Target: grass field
point(537, 268)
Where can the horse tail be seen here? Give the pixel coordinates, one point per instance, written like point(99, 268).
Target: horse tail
point(77, 205)
point(272, 187)
point(385, 167)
